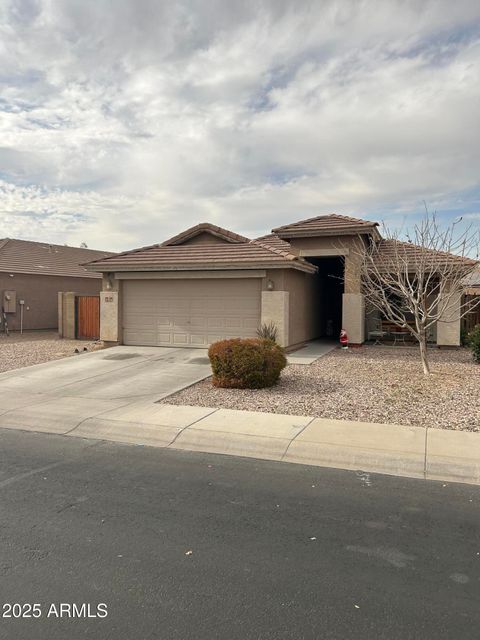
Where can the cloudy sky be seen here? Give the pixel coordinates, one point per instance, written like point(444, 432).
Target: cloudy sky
point(123, 122)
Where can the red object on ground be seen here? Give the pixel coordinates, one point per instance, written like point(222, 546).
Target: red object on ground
point(343, 338)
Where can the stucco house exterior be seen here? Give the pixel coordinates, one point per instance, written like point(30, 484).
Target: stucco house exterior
point(33, 273)
point(208, 283)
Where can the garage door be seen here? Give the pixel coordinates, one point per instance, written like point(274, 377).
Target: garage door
point(189, 313)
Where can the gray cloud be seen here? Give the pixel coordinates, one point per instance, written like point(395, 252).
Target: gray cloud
point(145, 117)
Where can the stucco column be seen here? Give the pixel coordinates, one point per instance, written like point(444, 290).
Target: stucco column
point(448, 327)
point(67, 301)
point(60, 313)
point(353, 317)
point(275, 308)
point(353, 307)
point(110, 321)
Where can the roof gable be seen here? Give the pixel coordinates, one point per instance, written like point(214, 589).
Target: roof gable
point(327, 225)
point(205, 229)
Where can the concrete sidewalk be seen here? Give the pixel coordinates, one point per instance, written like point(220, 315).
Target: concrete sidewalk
point(391, 449)
point(311, 352)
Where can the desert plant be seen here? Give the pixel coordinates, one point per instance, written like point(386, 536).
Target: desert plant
point(268, 331)
point(474, 342)
point(250, 363)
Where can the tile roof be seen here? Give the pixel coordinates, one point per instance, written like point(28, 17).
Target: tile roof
point(331, 224)
point(41, 258)
point(389, 250)
point(252, 254)
point(272, 240)
point(205, 227)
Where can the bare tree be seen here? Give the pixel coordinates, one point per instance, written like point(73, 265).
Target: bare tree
point(417, 283)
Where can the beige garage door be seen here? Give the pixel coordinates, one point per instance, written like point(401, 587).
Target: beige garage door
point(189, 313)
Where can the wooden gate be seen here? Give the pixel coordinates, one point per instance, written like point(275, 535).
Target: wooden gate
point(88, 317)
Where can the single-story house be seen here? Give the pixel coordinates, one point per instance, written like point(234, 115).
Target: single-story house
point(33, 273)
point(208, 283)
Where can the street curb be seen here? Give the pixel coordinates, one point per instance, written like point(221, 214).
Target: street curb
point(415, 452)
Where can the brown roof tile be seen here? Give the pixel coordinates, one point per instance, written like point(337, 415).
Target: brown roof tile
point(41, 258)
point(251, 254)
point(205, 227)
point(389, 249)
point(273, 240)
point(332, 224)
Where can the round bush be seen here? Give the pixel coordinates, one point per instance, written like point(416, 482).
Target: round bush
point(246, 363)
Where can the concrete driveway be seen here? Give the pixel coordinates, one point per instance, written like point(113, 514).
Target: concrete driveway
point(59, 396)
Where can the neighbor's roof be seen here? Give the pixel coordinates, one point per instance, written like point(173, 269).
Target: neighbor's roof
point(252, 254)
point(390, 251)
point(41, 258)
point(205, 227)
point(332, 224)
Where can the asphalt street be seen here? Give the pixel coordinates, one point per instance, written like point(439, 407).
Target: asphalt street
point(193, 546)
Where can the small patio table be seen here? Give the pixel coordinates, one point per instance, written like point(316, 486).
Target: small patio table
point(377, 336)
point(398, 336)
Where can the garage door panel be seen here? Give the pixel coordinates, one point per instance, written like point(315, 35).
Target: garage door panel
point(233, 324)
point(190, 313)
point(250, 324)
point(162, 322)
point(198, 324)
point(133, 321)
point(146, 338)
point(173, 306)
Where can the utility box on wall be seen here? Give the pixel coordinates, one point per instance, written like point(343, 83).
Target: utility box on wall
point(9, 301)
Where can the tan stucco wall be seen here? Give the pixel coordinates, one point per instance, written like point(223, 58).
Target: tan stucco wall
point(275, 308)
point(303, 317)
point(110, 310)
point(448, 328)
point(66, 314)
point(347, 246)
point(302, 302)
point(334, 245)
point(40, 294)
point(353, 317)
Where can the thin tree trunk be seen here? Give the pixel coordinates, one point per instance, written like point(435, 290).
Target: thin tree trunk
point(423, 353)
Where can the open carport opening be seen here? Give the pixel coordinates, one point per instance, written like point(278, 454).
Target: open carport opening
point(329, 290)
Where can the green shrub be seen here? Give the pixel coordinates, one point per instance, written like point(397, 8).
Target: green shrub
point(250, 363)
point(474, 342)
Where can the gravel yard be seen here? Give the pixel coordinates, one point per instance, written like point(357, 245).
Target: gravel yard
point(369, 384)
point(35, 347)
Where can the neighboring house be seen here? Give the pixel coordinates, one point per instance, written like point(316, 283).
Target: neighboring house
point(34, 272)
point(208, 283)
